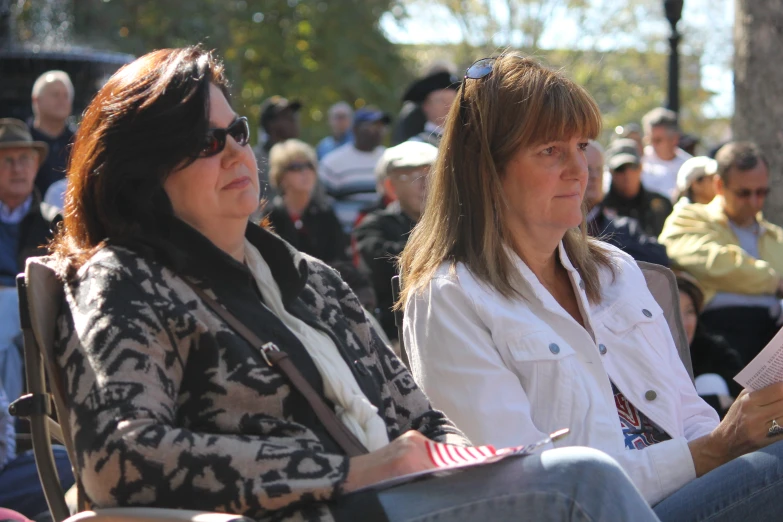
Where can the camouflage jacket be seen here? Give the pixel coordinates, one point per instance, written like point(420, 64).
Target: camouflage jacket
point(170, 407)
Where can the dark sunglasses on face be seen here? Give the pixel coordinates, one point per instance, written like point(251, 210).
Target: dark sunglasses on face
point(215, 140)
point(746, 193)
point(299, 166)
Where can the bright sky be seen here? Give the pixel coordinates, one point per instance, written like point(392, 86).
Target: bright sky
point(707, 23)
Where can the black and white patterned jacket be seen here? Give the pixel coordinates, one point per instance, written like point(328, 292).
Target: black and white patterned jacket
point(172, 408)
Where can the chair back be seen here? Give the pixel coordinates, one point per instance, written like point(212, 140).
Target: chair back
point(40, 299)
point(398, 317)
point(660, 282)
point(663, 286)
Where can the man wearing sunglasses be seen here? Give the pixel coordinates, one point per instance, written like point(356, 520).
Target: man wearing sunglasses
point(279, 122)
point(736, 255)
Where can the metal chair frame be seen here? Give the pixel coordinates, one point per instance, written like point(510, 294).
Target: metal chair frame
point(41, 296)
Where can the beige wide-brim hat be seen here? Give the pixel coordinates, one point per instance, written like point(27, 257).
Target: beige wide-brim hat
point(14, 134)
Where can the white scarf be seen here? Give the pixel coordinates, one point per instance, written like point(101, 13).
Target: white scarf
point(351, 405)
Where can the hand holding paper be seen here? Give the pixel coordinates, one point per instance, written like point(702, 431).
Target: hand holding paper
point(766, 368)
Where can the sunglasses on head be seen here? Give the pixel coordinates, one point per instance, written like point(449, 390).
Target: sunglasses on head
point(746, 193)
point(478, 70)
point(215, 140)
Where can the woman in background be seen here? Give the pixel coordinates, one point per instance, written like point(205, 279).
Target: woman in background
point(696, 180)
point(305, 221)
point(715, 362)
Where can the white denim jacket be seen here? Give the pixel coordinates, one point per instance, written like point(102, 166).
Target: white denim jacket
point(507, 372)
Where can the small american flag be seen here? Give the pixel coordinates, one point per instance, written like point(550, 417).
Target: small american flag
point(450, 456)
point(447, 459)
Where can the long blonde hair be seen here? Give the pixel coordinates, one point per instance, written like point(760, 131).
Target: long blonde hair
point(519, 104)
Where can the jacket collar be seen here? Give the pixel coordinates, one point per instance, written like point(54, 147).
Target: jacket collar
point(613, 198)
point(715, 211)
point(531, 281)
point(192, 253)
point(16, 215)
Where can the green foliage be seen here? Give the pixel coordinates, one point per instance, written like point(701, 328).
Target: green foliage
point(317, 51)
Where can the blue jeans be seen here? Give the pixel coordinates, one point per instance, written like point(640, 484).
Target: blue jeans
point(747, 488)
point(567, 484)
point(20, 488)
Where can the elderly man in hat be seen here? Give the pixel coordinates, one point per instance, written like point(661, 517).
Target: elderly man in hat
point(627, 195)
point(24, 219)
point(24, 227)
point(348, 173)
point(435, 94)
point(279, 121)
point(382, 235)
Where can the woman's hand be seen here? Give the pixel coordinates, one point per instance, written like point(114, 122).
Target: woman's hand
point(744, 429)
point(405, 454)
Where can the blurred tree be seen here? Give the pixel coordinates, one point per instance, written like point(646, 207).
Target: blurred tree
point(616, 49)
point(758, 39)
point(317, 51)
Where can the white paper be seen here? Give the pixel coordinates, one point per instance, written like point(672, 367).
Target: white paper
point(766, 368)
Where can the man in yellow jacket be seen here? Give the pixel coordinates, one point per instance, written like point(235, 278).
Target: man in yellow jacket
point(735, 254)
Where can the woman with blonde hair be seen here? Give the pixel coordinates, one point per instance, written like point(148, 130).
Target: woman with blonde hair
point(296, 215)
point(518, 323)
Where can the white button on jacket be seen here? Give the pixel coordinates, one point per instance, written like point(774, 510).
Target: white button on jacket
point(507, 372)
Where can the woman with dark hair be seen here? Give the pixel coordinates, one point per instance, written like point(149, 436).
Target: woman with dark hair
point(518, 322)
point(715, 362)
point(209, 365)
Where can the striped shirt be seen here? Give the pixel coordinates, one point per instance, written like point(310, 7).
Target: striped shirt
point(348, 175)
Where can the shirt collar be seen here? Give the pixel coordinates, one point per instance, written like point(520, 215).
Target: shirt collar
point(532, 282)
point(15, 216)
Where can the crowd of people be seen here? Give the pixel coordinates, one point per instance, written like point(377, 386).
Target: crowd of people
point(515, 233)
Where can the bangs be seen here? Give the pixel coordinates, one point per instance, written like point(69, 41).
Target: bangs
point(566, 110)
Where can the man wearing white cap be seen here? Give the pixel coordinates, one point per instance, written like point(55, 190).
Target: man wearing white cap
point(382, 235)
point(695, 181)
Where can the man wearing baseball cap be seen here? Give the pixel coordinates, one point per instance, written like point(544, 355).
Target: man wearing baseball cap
point(348, 173)
point(620, 231)
point(402, 172)
point(627, 196)
point(279, 121)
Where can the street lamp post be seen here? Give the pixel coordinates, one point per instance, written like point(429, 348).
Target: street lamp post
point(673, 10)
